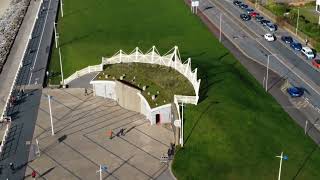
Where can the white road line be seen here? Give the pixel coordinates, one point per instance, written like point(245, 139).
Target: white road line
point(34, 63)
point(317, 92)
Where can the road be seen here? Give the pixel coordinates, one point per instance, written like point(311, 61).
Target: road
point(30, 78)
point(248, 37)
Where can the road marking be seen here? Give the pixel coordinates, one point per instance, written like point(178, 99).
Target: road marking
point(34, 63)
point(290, 69)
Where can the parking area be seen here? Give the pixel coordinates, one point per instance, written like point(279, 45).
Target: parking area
point(81, 142)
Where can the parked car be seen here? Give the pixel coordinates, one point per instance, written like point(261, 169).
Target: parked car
point(307, 52)
point(254, 14)
point(264, 22)
point(287, 39)
point(237, 3)
point(271, 27)
point(316, 63)
point(296, 46)
point(245, 17)
point(269, 37)
point(259, 18)
point(244, 6)
point(249, 10)
point(295, 91)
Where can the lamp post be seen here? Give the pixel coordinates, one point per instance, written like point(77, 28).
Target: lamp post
point(220, 27)
point(181, 128)
point(56, 35)
point(297, 27)
point(282, 157)
point(101, 169)
point(61, 69)
point(51, 119)
point(267, 76)
point(61, 8)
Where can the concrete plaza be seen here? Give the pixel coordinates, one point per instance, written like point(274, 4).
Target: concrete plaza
point(81, 142)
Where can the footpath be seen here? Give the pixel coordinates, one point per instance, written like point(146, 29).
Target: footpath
point(16, 54)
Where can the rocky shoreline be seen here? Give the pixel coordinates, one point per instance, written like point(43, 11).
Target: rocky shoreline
point(10, 23)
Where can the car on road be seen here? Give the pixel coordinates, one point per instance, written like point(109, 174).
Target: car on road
point(245, 17)
point(316, 63)
point(237, 3)
point(244, 6)
point(264, 22)
point(259, 18)
point(249, 10)
point(287, 39)
point(254, 14)
point(269, 37)
point(296, 46)
point(295, 91)
point(307, 52)
point(271, 27)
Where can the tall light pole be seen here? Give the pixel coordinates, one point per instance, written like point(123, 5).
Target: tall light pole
point(267, 76)
point(51, 119)
point(181, 128)
point(56, 35)
point(101, 169)
point(60, 59)
point(61, 8)
point(298, 21)
point(306, 127)
point(220, 27)
point(281, 157)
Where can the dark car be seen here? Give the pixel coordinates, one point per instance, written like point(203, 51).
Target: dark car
point(237, 3)
point(295, 91)
point(243, 6)
point(249, 10)
point(296, 46)
point(259, 18)
point(264, 22)
point(287, 39)
point(245, 17)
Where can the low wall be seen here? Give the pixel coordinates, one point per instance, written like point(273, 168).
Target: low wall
point(130, 98)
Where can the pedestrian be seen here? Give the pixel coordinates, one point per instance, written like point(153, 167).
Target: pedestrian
point(307, 41)
point(110, 134)
point(122, 132)
point(85, 91)
point(11, 166)
point(34, 174)
point(169, 153)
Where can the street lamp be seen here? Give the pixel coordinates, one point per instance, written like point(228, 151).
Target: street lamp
point(102, 168)
point(50, 112)
point(60, 59)
point(181, 128)
point(298, 21)
point(267, 76)
point(61, 8)
point(284, 157)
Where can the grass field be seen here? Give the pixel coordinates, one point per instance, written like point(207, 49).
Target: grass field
point(236, 130)
point(167, 81)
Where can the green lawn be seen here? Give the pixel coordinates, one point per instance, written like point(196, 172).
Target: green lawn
point(167, 81)
point(236, 130)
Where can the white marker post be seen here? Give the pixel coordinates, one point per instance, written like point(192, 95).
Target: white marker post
point(61, 8)
point(61, 69)
point(49, 101)
point(305, 127)
point(281, 157)
point(102, 168)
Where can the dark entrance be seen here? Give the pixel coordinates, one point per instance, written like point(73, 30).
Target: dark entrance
point(157, 118)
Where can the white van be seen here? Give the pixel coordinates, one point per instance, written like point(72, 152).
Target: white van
point(306, 51)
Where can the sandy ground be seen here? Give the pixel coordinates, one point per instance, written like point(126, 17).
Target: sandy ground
point(4, 4)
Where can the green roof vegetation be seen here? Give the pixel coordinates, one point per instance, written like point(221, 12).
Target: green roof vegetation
point(161, 81)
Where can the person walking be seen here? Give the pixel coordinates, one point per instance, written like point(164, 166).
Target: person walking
point(85, 92)
point(122, 132)
point(110, 134)
point(34, 174)
point(11, 166)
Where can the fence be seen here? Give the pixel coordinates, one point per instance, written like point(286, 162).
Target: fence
point(4, 137)
point(170, 59)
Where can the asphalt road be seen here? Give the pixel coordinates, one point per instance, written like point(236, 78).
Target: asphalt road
point(30, 78)
point(248, 37)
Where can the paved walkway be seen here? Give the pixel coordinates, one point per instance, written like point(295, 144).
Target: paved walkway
point(81, 144)
point(16, 53)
